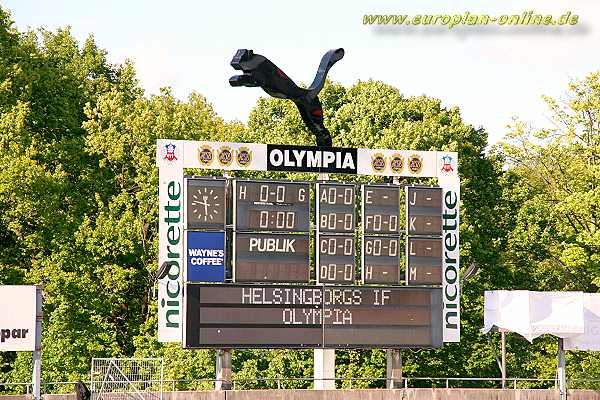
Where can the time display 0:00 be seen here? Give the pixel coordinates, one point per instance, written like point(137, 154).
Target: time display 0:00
point(264, 219)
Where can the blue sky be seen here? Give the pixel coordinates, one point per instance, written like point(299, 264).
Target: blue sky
point(491, 74)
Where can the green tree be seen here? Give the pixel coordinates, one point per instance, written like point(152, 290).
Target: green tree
point(551, 212)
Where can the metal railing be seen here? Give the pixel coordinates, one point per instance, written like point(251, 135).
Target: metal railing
point(346, 382)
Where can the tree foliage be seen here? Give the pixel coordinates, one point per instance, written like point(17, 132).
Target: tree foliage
point(78, 208)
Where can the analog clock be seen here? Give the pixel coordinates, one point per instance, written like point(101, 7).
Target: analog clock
point(205, 204)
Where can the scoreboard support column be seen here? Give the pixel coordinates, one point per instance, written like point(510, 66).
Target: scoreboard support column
point(223, 369)
point(324, 367)
point(394, 369)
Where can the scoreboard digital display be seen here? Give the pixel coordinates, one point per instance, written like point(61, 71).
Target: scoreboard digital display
point(205, 205)
point(286, 316)
point(336, 207)
point(381, 259)
point(380, 209)
point(271, 257)
point(336, 259)
point(424, 261)
point(423, 210)
point(271, 206)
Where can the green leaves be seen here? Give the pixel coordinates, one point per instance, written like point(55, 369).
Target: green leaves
point(78, 208)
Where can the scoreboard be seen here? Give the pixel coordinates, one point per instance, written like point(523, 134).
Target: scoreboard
point(268, 229)
point(271, 224)
point(335, 240)
point(336, 207)
point(335, 258)
point(381, 209)
point(381, 234)
point(271, 257)
point(381, 259)
point(424, 235)
point(254, 316)
point(271, 206)
point(313, 264)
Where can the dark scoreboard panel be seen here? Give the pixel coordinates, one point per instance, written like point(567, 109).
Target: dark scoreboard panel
point(336, 259)
point(271, 257)
point(205, 204)
point(284, 316)
point(336, 207)
point(380, 209)
point(424, 261)
point(423, 210)
point(271, 206)
point(381, 259)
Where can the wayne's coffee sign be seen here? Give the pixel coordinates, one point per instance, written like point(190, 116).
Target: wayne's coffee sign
point(311, 159)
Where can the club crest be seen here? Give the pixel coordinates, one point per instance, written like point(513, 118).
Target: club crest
point(397, 163)
point(225, 156)
point(205, 155)
point(415, 164)
point(243, 157)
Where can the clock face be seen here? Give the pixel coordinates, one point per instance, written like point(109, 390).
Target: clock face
point(206, 204)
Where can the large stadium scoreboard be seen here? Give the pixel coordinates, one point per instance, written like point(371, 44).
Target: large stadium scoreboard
point(271, 229)
point(325, 264)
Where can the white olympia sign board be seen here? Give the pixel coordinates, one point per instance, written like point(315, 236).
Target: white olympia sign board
point(172, 156)
point(17, 318)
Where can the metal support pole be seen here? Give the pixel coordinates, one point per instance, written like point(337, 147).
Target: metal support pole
point(562, 376)
point(324, 367)
point(223, 369)
point(503, 339)
point(37, 354)
point(394, 369)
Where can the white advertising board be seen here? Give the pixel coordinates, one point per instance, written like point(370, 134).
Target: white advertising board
point(17, 318)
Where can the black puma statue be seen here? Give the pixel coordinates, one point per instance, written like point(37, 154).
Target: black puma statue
point(259, 71)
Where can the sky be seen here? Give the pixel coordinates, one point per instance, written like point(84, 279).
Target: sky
point(491, 73)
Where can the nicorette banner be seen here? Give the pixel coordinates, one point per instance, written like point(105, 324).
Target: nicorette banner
point(311, 159)
point(169, 157)
point(450, 257)
point(17, 318)
point(205, 253)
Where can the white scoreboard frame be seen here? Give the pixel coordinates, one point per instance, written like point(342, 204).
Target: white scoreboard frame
point(172, 156)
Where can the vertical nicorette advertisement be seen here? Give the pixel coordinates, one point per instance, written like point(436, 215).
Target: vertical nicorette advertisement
point(450, 258)
point(169, 157)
